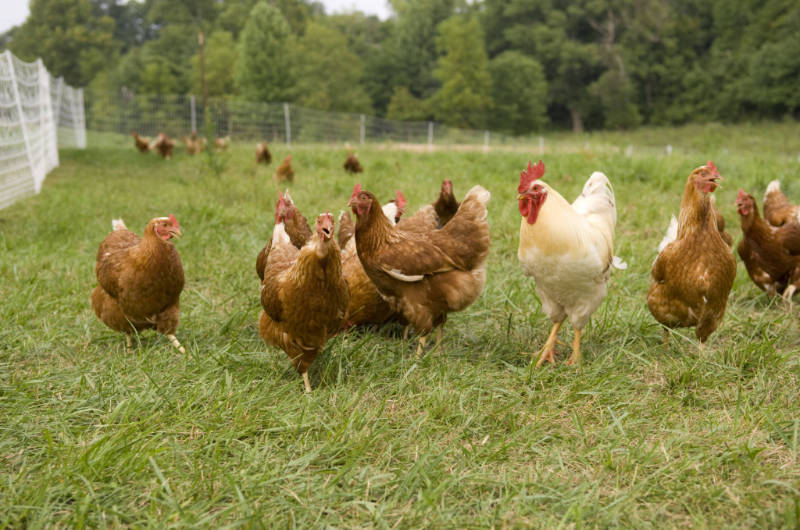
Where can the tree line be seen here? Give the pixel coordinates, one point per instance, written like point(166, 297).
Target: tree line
point(516, 66)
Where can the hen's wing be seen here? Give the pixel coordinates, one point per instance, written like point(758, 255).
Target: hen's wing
point(424, 220)
point(111, 256)
point(346, 229)
point(281, 257)
point(788, 236)
point(411, 257)
point(777, 208)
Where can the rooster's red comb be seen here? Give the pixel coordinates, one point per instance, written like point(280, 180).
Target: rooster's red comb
point(400, 200)
point(711, 167)
point(531, 173)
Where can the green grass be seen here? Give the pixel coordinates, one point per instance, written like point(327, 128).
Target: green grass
point(645, 436)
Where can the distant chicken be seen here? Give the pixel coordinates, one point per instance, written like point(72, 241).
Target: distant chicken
point(192, 144)
point(433, 216)
point(222, 143)
point(771, 255)
point(777, 208)
point(295, 225)
point(568, 249)
point(263, 156)
point(352, 165)
point(140, 279)
point(424, 276)
point(164, 145)
point(694, 271)
point(303, 294)
point(142, 142)
point(284, 172)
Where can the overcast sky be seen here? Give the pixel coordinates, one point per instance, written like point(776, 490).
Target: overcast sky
point(14, 12)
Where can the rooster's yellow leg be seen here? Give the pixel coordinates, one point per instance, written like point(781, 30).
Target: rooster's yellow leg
point(307, 382)
point(175, 343)
point(421, 345)
point(575, 358)
point(547, 353)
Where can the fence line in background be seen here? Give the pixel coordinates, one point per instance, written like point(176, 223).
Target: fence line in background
point(177, 116)
point(37, 114)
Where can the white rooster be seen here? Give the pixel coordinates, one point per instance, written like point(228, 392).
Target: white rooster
point(568, 249)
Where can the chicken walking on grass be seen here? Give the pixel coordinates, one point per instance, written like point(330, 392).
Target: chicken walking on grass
point(140, 279)
point(695, 268)
point(568, 249)
point(424, 275)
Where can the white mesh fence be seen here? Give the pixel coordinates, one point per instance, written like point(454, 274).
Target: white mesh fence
point(177, 116)
point(37, 114)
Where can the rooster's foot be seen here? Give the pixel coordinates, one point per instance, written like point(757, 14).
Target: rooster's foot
point(575, 358)
point(548, 354)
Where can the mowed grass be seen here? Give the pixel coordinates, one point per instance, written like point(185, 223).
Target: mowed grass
point(470, 436)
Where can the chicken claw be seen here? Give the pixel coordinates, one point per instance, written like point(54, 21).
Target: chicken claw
point(175, 343)
point(547, 353)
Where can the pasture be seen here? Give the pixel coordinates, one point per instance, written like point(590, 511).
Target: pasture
point(471, 435)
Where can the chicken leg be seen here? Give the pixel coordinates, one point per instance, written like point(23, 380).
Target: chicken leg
point(787, 295)
point(547, 353)
point(575, 358)
point(307, 382)
point(127, 341)
point(421, 345)
point(175, 343)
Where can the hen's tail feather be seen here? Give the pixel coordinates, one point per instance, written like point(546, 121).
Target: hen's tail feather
point(773, 187)
point(118, 224)
point(671, 235)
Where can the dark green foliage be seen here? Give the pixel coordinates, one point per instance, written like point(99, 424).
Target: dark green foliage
point(519, 92)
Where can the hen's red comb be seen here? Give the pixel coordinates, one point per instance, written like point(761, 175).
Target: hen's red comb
point(399, 200)
point(710, 165)
point(531, 173)
point(173, 220)
point(356, 190)
point(741, 195)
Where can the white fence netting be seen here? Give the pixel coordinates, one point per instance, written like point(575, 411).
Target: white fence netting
point(177, 116)
point(38, 113)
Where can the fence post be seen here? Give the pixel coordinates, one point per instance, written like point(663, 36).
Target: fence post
point(288, 125)
point(485, 141)
point(430, 136)
point(81, 120)
point(57, 110)
point(22, 118)
point(363, 128)
point(194, 112)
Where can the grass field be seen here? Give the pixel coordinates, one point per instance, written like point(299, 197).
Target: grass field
point(472, 436)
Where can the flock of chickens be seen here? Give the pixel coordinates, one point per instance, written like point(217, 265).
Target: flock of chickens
point(416, 270)
point(165, 146)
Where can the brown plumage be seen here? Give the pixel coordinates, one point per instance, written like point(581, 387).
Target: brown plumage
point(435, 215)
point(693, 275)
point(140, 279)
point(222, 143)
point(352, 165)
point(142, 142)
point(777, 208)
point(726, 236)
point(295, 224)
point(424, 276)
point(284, 171)
point(164, 145)
point(303, 294)
point(192, 144)
point(346, 229)
point(263, 156)
point(770, 254)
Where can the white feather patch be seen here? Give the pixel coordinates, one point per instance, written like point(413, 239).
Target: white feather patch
point(398, 275)
point(617, 263)
point(670, 236)
point(118, 224)
point(390, 211)
point(772, 187)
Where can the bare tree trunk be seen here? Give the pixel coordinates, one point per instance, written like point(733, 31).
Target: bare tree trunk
point(577, 121)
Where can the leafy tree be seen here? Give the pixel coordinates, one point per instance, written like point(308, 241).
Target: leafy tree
point(328, 74)
point(220, 60)
point(404, 106)
point(465, 97)
point(615, 93)
point(519, 93)
point(263, 69)
point(71, 40)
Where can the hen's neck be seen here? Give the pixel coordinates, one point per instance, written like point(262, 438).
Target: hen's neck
point(372, 231)
point(696, 212)
point(754, 223)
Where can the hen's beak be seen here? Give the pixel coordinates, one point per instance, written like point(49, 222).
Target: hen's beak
point(175, 231)
point(325, 227)
point(519, 197)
